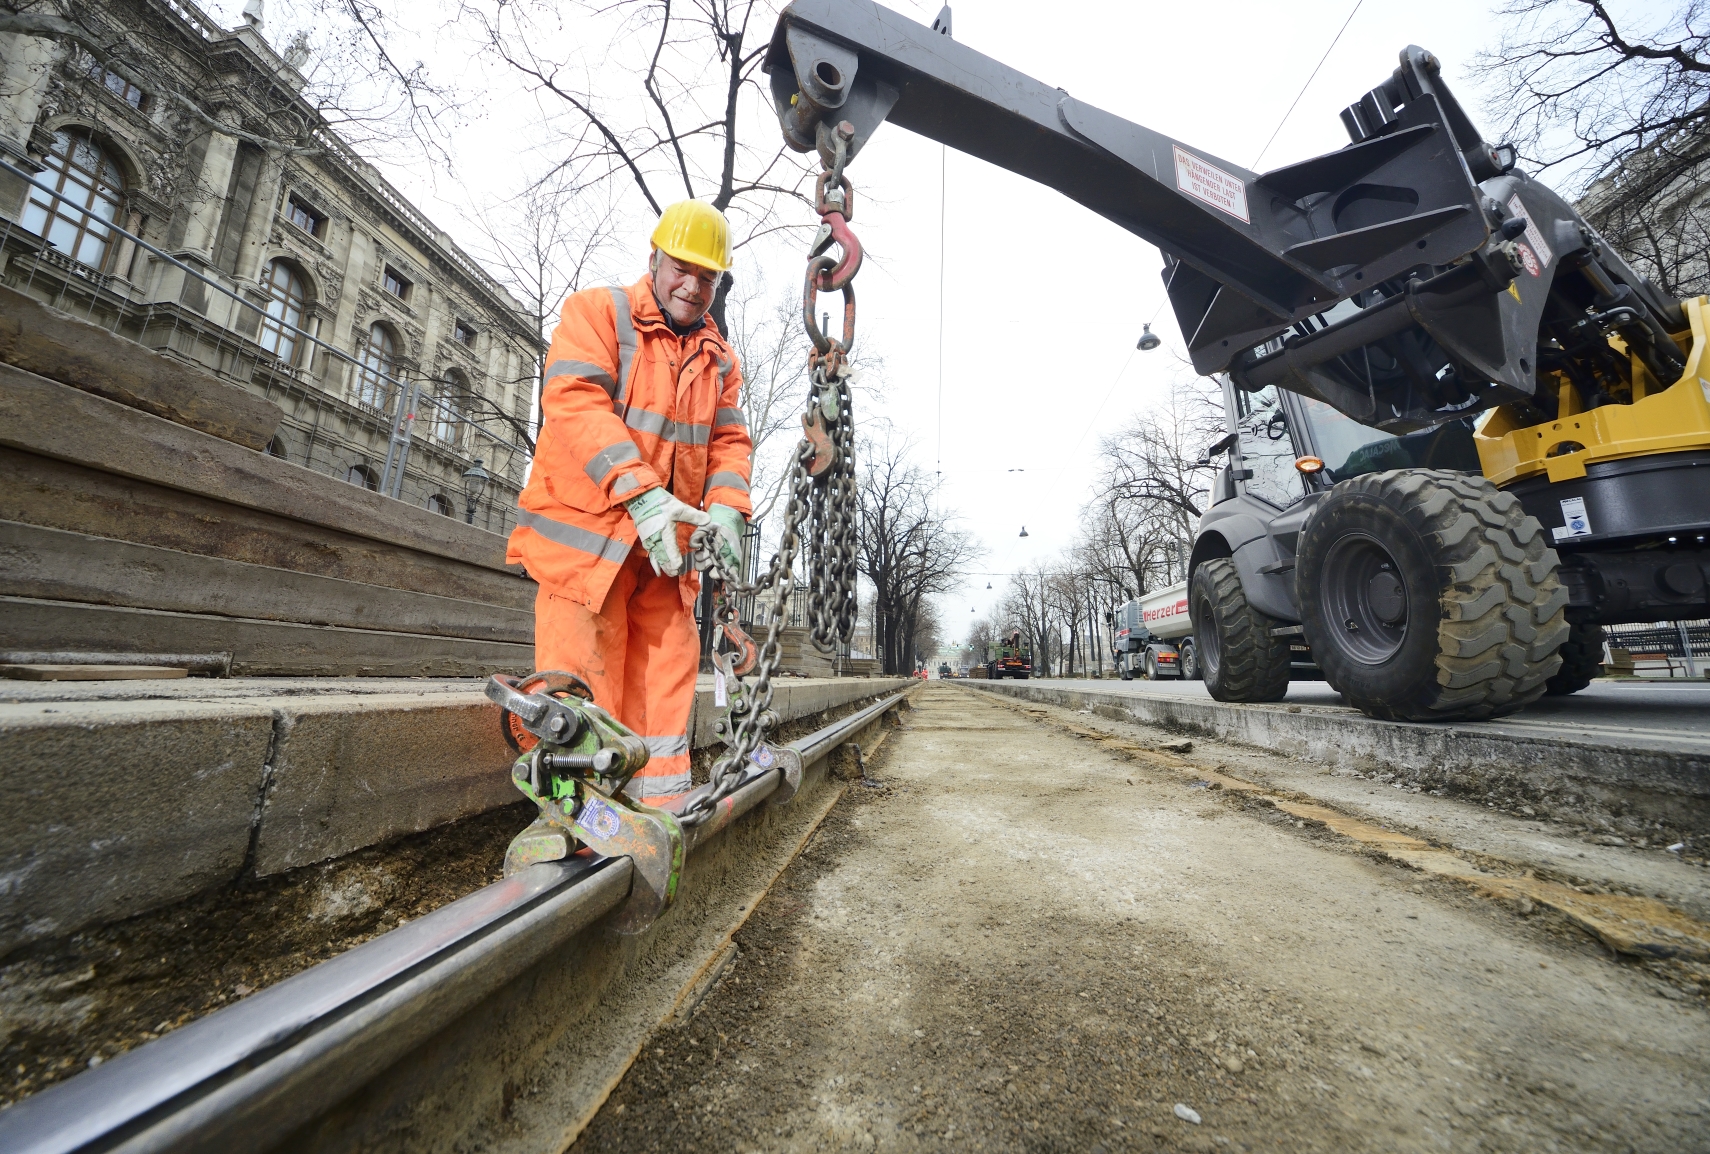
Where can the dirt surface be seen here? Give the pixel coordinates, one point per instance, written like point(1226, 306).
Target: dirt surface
point(71, 1003)
point(1024, 941)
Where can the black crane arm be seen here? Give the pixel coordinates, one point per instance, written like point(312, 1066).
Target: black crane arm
point(1412, 221)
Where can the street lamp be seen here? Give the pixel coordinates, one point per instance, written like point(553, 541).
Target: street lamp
point(1148, 340)
point(474, 480)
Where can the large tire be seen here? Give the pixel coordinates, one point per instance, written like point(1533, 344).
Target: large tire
point(1582, 660)
point(1189, 659)
point(1122, 669)
point(1151, 665)
point(1238, 657)
point(1430, 595)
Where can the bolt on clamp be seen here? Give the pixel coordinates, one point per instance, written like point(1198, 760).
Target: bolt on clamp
point(575, 771)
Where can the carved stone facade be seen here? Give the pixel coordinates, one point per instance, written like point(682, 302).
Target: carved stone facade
point(271, 252)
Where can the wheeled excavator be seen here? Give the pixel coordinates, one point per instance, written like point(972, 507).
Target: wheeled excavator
point(1464, 433)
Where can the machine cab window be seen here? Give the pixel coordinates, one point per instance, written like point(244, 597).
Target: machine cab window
point(1267, 448)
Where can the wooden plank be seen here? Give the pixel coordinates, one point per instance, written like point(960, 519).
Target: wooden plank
point(54, 420)
point(58, 565)
point(258, 648)
point(91, 672)
point(59, 494)
point(57, 345)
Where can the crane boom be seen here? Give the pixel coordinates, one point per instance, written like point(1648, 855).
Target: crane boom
point(1419, 222)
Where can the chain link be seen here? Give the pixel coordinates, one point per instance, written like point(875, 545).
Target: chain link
point(821, 517)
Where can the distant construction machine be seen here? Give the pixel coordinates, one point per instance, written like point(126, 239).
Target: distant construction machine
point(1010, 656)
point(1464, 433)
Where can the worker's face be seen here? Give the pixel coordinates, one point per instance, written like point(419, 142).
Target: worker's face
point(685, 291)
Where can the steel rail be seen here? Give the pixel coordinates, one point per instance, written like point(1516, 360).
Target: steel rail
point(248, 1075)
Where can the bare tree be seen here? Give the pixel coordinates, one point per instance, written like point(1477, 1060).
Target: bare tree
point(1027, 606)
point(1623, 111)
point(981, 634)
point(677, 130)
point(1068, 593)
point(548, 244)
point(1155, 475)
point(910, 550)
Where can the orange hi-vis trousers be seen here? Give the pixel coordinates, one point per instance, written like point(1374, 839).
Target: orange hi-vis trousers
point(639, 654)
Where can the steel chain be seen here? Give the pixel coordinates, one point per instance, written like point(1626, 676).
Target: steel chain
point(821, 518)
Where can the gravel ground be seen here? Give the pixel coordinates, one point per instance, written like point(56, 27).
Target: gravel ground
point(1021, 941)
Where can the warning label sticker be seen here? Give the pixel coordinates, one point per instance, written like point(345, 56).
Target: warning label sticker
point(1211, 184)
point(1578, 524)
point(1534, 234)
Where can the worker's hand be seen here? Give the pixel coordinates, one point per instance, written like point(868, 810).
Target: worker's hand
point(657, 514)
point(723, 537)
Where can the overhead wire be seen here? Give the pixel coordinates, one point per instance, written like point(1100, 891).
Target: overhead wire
point(943, 168)
point(1097, 413)
point(1333, 42)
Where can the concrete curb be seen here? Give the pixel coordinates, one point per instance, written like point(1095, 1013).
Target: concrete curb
point(142, 798)
point(1586, 783)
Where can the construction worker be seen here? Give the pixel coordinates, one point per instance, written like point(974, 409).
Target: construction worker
point(641, 442)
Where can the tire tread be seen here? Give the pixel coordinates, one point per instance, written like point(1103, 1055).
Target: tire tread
point(1502, 604)
point(1255, 665)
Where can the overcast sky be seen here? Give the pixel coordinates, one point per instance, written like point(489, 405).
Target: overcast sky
point(1043, 300)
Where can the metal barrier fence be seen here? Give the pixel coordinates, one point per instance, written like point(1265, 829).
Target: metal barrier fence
point(1683, 645)
point(83, 263)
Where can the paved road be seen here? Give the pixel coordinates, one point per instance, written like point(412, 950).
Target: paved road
point(1646, 714)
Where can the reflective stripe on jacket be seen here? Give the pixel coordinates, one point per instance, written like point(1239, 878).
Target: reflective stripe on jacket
point(628, 406)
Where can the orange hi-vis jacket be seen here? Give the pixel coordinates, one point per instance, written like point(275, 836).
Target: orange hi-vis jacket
point(628, 406)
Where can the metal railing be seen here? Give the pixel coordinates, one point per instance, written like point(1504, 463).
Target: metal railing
point(1682, 645)
point(181, 312)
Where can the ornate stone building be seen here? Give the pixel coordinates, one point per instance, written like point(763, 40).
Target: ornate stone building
point(260, 246)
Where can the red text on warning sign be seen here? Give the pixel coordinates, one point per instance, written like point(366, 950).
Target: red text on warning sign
point(1211, 184)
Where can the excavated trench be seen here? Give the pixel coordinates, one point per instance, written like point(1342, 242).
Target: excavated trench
point(70, 1003)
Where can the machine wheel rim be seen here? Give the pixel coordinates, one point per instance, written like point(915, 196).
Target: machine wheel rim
point(1364, 594)
point(1210, 644)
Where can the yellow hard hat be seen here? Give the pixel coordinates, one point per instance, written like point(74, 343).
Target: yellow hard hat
point(696, 232)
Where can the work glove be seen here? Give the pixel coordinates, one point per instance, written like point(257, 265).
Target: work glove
point(657, 514)
point(723, 538)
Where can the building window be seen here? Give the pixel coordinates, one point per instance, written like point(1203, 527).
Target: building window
point(114, 83)
point(463, 333)
point(77, 217)
point(123, 89)
point(374, 378)
point(277, 448)
point(364, 476)
point(444, 415)
point(305, 217)
point(439, 503)
point(283, 321)
point(395, 284)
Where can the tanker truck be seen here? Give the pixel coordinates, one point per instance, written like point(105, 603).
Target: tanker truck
point(1153, 636)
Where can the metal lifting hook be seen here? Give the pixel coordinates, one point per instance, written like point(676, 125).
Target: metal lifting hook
point(836, 209)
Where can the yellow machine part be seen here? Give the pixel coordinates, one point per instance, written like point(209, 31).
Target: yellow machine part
point(1657, 420)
